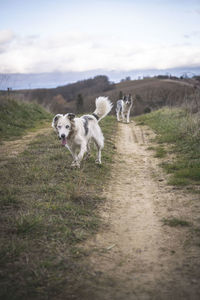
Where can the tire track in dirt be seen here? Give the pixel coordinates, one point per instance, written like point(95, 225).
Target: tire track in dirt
point(13, 148)
point(140, 258)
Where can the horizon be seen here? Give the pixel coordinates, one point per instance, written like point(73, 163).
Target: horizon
point(113, 35)
point(17, 81)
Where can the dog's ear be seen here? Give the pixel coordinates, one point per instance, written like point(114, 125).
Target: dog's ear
point(130, 97)
point(55, 120)
point(71, 116)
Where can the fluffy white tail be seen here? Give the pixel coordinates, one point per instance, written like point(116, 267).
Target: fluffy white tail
point(103, 107)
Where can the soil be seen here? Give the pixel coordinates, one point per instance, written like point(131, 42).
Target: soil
point(136, 256)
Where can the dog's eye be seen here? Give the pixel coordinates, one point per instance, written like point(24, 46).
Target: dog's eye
point(59, 127)
point(67, 126)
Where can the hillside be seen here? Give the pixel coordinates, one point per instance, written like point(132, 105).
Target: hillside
point(16, 117)
point(150, 94)
point(155, 93)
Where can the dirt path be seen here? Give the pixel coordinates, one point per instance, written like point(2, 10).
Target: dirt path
point(135, 256)
point(13, 148)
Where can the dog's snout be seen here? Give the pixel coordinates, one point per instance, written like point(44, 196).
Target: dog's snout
point(63, 136)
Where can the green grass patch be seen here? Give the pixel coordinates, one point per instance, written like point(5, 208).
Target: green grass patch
point(8, 197)
point(160, 152)
point(174, 222)
point(180, 130)
point(150, 148)
point(16, 117)
point(47, 210)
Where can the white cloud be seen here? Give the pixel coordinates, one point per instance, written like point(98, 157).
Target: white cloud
point(6, 36)
point(76, 51)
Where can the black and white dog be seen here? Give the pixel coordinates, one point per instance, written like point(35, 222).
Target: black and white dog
point(124, 107)
point(76, 133)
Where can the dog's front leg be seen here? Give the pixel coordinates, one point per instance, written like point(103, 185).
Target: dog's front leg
point(82, 152)
point(88, 150)
point(73, 153)
point(128, 114)
point(118, 118)
point(79, 157)
point(98, 160)
point(123, 117)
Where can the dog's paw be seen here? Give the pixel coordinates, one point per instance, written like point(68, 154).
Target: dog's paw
point(87, 156)
point(75, 164)
point(97, 162)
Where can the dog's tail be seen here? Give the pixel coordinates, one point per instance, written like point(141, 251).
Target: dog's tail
point(103, 107)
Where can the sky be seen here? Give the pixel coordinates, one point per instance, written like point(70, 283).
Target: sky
point(58, 36)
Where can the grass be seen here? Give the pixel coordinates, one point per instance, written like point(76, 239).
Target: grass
point(174, 222)
point(16, 117)
point(160, 152)
point(180, 130)
point(47, 210)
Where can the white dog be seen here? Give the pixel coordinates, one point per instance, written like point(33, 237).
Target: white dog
point(76, 133)
point(124, 107)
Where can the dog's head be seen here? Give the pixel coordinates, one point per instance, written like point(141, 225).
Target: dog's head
point(63, 125)
point(128, 100)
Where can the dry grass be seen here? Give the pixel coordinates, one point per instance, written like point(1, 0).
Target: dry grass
point(47, 209)
point(16, 117)
point(180, 129)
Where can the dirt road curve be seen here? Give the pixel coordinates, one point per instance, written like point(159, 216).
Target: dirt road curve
point(135, 256)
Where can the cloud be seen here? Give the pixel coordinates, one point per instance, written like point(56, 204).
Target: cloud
point(193, 35)
point(77, 51)
point(6, 36)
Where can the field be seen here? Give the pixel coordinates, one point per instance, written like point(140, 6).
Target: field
point(128, 228)
point(47, 209)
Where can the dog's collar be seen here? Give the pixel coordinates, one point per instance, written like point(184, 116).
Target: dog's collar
point(95, 116)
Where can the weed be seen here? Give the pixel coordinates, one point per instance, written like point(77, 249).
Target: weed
point(160, 152)
point(8, 200)
point(174, 222)
point(173, 180)
point(150, 148)
point(27, 224)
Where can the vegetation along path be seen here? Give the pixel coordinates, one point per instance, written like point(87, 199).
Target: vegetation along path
point(150, 246)
point(147, 248)
point(13, 148)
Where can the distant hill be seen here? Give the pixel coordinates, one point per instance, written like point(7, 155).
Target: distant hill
point(154, 93)
point(150, 93)
point(65, 98)
point(20, 81)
